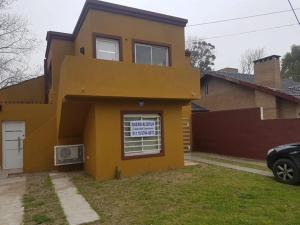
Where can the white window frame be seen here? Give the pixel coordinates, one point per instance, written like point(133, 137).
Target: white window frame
point(108, 40)
point(157, 138)
point(151, 46)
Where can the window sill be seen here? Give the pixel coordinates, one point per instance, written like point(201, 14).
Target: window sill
point(155, 65)
point(108, 60)
point(142, 155)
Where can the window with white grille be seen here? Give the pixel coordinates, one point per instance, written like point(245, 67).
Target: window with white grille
point(142, 134)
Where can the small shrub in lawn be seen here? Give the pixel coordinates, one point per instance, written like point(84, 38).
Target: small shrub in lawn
point(117, 173)
point(40, 219)
point(28, 200)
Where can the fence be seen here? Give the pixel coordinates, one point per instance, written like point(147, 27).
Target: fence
point(241, 133)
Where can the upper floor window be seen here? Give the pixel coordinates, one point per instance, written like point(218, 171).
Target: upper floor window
point(151, 54)
point(107, 49)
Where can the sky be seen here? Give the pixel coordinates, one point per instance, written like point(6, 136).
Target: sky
point(62, 15)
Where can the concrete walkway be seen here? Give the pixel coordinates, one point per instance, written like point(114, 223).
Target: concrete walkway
point(197, 158)
point(190, 163)
point(230, 158)
point(11, 194)
point(76, 208)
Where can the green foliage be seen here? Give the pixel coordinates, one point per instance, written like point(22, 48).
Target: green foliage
point(40, 219)
point(202, 55)
point(291, 64)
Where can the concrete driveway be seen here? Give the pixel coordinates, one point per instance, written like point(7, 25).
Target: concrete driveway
point(11, 194)
point(240, 164)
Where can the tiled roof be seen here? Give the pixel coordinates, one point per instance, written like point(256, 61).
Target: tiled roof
point(291, 87)
point(288, 86)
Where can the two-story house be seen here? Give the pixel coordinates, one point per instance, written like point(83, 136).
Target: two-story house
point(118, 85)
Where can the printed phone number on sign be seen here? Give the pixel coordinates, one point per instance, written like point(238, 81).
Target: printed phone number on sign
point(142, 128)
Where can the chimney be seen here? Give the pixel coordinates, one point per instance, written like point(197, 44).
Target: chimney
point(267, 71)
point(229, 70)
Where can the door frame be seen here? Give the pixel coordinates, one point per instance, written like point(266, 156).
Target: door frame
point(2, 140)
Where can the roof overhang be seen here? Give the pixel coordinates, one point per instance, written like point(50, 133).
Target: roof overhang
point(264, 89)
point(113, 8)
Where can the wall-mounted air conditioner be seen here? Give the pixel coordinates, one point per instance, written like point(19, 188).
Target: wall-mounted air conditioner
point(68, 154)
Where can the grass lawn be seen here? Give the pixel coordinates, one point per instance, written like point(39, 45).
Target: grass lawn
point(41, 205)
point(193, 195)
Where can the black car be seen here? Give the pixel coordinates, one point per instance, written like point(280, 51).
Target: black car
point(284, 161)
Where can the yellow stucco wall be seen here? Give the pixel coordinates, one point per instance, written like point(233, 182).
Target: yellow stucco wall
point(40, 133)
point(40, 119)
point(90, 141)
point(107, 85)
point(187, 127)
point(87, 96)
point(130, 28)
point(58, 50)
point(80, 75)
point(187, 111)
point(90, 77)
point(24, 102)
point(108, 139)
point(30, 91)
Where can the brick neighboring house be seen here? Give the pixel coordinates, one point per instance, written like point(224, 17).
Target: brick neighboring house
point(227, 90)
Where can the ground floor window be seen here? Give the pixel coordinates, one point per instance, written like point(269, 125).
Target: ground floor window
point(142, 134)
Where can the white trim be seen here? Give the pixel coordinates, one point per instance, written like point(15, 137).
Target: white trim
point(139, 145)
point(144, 141)
point(261, 113)
point(139, 153)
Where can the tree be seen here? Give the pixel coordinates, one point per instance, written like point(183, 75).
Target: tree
point(291, 64)
point(202, 53)
point(248, 58)
point(16, 43)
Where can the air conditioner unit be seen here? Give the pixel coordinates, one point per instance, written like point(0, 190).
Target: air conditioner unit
point(68, 154)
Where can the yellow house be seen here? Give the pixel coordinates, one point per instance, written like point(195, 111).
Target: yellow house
point(115, 90)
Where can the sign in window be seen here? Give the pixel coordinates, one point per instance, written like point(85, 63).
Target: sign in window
point(142, 134)
point(142, 128)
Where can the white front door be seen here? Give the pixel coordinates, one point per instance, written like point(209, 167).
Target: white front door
point(13, 134)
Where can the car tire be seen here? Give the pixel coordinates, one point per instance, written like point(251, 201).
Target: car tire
point(285, 171)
